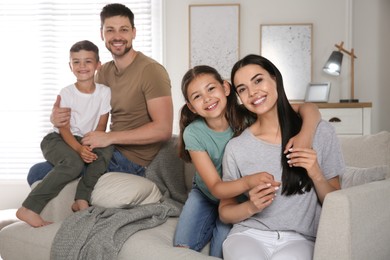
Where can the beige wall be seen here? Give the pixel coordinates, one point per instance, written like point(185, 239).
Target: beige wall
point(359, 23)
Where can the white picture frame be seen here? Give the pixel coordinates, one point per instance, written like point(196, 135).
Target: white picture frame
point(289, 47)
point(214, 34)
point(317, 92)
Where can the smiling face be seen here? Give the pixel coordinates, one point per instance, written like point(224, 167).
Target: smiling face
point(256, 89)
point(207, 96)
point(118, 34)
point(83, 64)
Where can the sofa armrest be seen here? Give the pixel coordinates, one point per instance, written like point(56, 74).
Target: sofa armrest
point(355, 224)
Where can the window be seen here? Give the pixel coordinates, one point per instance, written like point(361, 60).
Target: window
point(34, 52)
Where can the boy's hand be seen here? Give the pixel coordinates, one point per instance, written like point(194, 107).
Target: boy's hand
point(86, 154)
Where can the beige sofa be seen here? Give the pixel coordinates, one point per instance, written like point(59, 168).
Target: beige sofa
point(355, 221)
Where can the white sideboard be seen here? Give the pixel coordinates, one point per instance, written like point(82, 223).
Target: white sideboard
point(348, 118)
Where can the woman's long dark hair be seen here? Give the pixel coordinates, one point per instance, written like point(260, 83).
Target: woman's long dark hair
point(237, 116)
point(295, 180)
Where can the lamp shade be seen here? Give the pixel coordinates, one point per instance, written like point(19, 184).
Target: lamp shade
point(333, 65)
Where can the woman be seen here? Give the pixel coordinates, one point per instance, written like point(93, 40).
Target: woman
point(276, 223)
point(208, 120)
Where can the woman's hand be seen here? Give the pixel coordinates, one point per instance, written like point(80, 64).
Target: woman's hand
point(305, 158)
point(261, 197)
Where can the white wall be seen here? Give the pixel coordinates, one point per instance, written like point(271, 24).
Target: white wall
point(360, 23)
point(372, 41)
point(12, 193)
point(368, 33)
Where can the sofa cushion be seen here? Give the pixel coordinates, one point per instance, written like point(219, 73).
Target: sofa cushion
point(367, 150)
point(157, 243)
point(357, 176)
point(116, 190)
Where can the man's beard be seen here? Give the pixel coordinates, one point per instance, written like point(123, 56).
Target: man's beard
point(127, 49)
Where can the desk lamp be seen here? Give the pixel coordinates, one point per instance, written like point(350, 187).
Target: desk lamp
point(333, 67)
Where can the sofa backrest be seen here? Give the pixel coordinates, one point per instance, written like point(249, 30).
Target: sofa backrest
point(367, 150)
point(189, 171)
point(358, 151)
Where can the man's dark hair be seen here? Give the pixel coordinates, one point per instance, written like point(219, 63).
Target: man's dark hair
point(111, 10)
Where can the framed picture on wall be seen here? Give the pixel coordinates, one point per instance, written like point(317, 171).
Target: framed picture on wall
point(289, 47)
point(214, 36)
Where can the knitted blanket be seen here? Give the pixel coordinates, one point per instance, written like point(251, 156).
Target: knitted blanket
point(99, 233)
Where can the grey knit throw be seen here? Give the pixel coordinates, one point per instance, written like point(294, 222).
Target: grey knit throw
point(99, 233)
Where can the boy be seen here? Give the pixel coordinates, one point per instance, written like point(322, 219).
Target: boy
point(90, 106)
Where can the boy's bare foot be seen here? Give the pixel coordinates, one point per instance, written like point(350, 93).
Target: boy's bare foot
point(31, 218)
point(80, 205)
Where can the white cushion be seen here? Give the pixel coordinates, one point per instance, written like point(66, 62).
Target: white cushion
point(117, 189)
point(357, 176)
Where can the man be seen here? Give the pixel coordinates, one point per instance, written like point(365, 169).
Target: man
point(142, 109)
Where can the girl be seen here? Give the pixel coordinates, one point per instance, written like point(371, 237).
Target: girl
point(209, 119)
point(265, 226)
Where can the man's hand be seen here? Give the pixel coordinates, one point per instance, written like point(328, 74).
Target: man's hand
point(96, 139)
point(60, 116)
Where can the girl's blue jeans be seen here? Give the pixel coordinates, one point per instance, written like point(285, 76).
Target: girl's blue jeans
point(199, 223)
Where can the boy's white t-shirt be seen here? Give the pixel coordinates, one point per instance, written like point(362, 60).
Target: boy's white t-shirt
point(86, 109)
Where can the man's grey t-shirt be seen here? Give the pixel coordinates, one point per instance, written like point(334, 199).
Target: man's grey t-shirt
point(246, 155)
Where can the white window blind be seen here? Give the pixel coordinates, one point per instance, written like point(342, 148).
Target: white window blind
point(34, 53)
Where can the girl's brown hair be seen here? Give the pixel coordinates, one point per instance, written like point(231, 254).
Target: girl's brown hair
point(237, 116)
